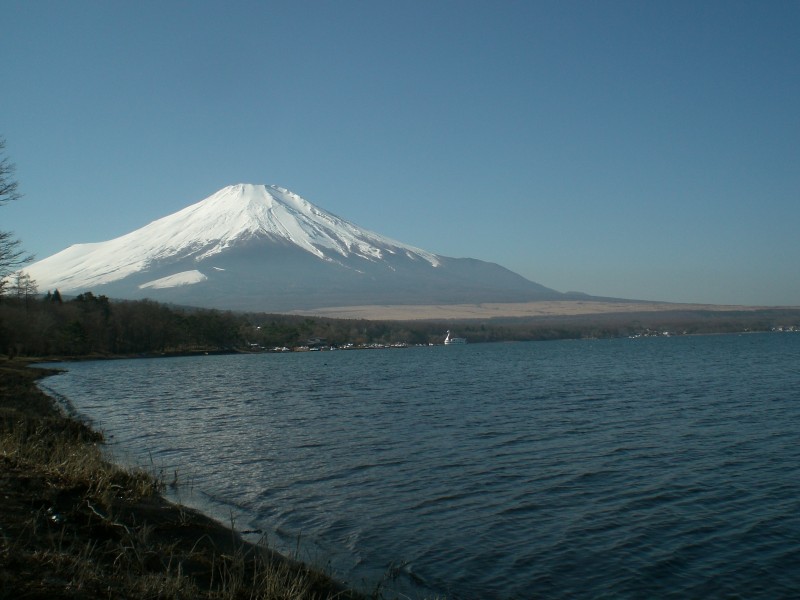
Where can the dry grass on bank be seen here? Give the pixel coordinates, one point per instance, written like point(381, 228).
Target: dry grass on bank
point(491, 310)
point(73, 525)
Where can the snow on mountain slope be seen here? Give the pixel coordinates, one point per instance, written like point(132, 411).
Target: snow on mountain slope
point(232, 216)
point(264, 249)
point(170, 281)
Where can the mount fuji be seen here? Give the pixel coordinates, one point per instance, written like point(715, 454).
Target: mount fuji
point(264, 248)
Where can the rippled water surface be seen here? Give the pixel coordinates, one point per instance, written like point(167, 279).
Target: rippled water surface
point(661, 467)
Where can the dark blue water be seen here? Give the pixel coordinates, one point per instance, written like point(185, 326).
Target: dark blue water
point(660, 467)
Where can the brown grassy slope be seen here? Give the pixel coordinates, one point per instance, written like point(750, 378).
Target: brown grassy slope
point(489, 310)
point(74, 526)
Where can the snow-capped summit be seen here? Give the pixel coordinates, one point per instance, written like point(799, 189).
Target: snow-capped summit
point(235, 214)
point(260, 247)
point(243, 211)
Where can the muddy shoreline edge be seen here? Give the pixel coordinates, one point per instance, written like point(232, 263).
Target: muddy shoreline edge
point(76, 526)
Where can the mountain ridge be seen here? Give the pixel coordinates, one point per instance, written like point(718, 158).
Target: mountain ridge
point(259, 247)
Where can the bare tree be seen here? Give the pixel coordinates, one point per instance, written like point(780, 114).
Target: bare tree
point(22, 286)
point(8, 186)
point(12, 256)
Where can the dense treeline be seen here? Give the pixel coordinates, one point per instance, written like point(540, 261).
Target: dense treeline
point(94, 325)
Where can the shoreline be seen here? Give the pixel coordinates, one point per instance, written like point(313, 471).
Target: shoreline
point(74, 525)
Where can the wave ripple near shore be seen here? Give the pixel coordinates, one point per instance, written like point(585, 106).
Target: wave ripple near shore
point(624, 468)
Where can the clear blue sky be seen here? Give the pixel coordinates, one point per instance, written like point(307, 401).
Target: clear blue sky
point(634, 149)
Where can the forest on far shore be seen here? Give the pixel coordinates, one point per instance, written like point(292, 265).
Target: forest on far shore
point(90, 325)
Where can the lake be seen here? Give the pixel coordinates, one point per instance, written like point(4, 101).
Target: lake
point(626, 468)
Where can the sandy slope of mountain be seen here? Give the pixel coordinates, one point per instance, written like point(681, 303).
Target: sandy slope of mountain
point(556, 308)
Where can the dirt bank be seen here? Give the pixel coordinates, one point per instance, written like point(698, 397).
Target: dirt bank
point(74, 526)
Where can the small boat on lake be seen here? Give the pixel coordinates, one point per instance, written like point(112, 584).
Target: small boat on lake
point(453, 340)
